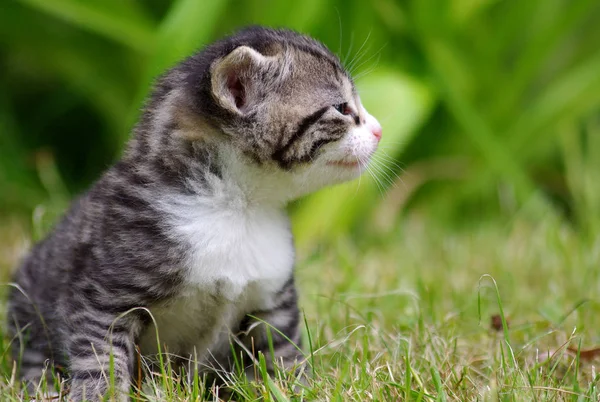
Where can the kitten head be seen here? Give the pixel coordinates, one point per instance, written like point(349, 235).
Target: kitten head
point(281, 106)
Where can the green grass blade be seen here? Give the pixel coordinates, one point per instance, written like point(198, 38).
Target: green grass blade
point(499, 302)
point(437, 381)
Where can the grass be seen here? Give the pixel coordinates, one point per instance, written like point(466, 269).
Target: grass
point(409, 316)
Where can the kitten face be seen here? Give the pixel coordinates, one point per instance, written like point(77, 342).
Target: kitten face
point(310, 124)
point(284, 105)
point(328, 131)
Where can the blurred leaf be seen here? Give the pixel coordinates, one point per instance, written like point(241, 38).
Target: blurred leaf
point(462, 10)
point(300, 16)
point(95, 77)
point(77, 60)
point(558, 23)
point(187, 26)
point(577, 92)
point(119, 20)
point(429, 16)
point(18, 186)
point(581, 155)
point(474, 125)
point(401, 103)
point(391, 14)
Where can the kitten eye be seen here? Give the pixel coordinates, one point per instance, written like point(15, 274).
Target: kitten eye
point(343, 108)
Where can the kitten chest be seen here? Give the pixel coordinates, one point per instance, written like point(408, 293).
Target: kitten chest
point(235, 255)
point(235, 263)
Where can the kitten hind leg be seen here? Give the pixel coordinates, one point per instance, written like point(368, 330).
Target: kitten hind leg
point(101, 359)
point(31, 352)
point(38, 374)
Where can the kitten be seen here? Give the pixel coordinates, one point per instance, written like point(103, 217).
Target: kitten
point(190, 224)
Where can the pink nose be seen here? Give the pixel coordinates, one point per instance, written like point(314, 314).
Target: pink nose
point(373, 125)
point(376, 130)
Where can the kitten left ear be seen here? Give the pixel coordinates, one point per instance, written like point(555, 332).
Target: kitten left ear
point(233, 79)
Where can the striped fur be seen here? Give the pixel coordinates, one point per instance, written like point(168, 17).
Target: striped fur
point(189, 227)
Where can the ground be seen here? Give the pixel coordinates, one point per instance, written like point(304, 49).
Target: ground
point(504, 311)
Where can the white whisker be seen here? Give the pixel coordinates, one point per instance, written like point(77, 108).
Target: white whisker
point(349, 49)
point(370, 69)
point(382, 170)
point(380, 186)
point(358, 57)
point(389, 160)
point(340, 25)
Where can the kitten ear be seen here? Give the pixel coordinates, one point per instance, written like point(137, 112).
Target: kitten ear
point(233, 79)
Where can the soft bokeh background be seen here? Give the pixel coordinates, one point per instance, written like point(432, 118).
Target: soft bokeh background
point(489, 108)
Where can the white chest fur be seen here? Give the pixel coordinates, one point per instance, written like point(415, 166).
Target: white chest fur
point(238, 258)
point(232, 249)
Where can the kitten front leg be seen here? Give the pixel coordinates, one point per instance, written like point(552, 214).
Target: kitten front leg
point(101, 360)
point(282, 325)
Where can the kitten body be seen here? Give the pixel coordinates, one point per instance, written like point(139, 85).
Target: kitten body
point(187, 234)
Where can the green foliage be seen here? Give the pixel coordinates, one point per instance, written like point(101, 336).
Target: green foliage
point(490, 107)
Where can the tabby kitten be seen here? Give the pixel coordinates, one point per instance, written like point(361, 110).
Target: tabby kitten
point(190, 224)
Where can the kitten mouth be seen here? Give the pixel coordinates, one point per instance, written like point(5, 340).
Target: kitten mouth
point(345, 163)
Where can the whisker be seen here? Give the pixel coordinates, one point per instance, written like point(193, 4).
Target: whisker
point(340, 25)
point(388, 159)
point(395, 174)
point(382, 170)
point(357, 58)
point(369, 70)
point(387, 144)
point(349, 49)
point(390, 166)
point(361, 164)
point(376, 179)
point(389, 163)
point(376, 54)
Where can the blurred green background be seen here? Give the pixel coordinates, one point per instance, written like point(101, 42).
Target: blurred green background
point(490, 109)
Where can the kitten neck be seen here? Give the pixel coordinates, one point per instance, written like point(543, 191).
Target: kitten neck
point(259, 184)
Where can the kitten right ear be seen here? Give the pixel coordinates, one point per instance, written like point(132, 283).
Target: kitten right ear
point(234, 79)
